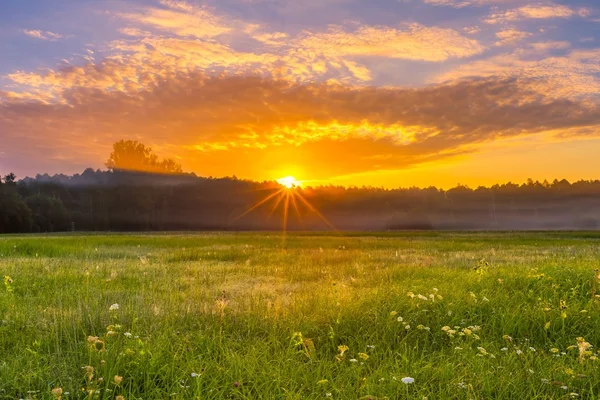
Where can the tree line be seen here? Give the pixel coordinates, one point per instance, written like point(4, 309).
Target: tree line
point(140, 192)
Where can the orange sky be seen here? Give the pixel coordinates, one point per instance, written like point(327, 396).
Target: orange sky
point(474, 92)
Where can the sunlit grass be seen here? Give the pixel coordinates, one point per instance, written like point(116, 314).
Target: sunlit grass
point(248, 316)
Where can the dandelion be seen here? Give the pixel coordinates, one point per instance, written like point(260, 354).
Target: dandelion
point(584, 348)
point(407, 327)
point(508, 338)
point(89, 372)
point(363, 356)
point(554, 350)
point(400, 319)
point(562, 305)
point(113, 307)
point(8, 281)
point(342, 349)
point(407, 380)
point(119, 397)
point(393, 313)
point(411, 295)
point(57, 392)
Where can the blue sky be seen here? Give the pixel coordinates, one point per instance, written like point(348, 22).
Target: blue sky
point(408, 91)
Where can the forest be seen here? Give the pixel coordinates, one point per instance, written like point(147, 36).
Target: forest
point(140, 192)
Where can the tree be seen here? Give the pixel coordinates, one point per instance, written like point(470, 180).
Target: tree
point(49, 213)
point(15, 216)
point(10, 178)
point(131, 155)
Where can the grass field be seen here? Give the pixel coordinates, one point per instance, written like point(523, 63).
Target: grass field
point(245, 316)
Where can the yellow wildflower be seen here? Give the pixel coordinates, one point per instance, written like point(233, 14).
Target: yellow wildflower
point(363, 356)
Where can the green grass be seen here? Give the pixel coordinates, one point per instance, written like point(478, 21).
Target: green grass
point(246, 316)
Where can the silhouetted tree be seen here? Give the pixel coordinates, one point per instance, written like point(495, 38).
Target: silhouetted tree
point(131, 155)
point(10, 178)
point(49, 214)
point(15, 216)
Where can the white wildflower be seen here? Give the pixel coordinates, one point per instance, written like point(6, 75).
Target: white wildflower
point(408, 380)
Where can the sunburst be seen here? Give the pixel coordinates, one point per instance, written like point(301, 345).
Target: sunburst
point(289, 193)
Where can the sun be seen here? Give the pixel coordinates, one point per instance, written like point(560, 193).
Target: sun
point(288, 182)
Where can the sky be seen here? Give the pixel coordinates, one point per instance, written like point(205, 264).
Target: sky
point(390, 93)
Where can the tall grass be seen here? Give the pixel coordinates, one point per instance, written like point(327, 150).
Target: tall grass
point(249, 316)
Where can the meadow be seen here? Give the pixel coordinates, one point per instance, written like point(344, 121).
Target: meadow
point(413, 315)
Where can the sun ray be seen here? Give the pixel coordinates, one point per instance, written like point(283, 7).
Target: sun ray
point(313, 209)
point(285, 214)
point(288, 193)
point(259, 204)
point(276, 205)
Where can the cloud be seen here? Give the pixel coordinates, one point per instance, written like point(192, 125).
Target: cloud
point(246, 124)
point(536, 11)
point(180, 18)
point(570, 75)
point(415, 42)
point(511, 36)
point(44, 35)
point(466, 3)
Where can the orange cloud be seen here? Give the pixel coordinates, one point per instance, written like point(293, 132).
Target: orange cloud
point(536, 11)
point(416, 42)
point(248, 125)
point(44, 35)
point(510, 36)
point(180, 18)
point(465, 3)
point(567, 76)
